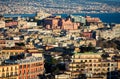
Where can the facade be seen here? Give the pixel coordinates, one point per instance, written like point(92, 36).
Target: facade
point(92, 65)
point(31, 67)
point(59, 23)
point(9, 71)
point(31, 24)
point(88, 42)
point(2, 43)
point(27, 67)
point(78, 19)
point(2, 24)
point(14, 23)
point(110, 33)
point(6, 52)
point(22, 24)
point(87, 34)
point(63, 76)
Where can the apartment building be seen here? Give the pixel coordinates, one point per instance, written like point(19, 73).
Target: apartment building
point(7, 52)
point(91, 65)
point(31, 67)
point(22, 66)
point(9, 71)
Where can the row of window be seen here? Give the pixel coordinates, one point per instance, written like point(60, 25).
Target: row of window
point(87, 60)
point(9, 69)
point(9, 74)
point(30, 71)
point(31, 65)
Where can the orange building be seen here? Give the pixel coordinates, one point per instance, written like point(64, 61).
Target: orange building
point(22, 66)
point(31, 67)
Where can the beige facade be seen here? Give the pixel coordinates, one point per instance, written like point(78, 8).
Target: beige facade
point(2, 24)
point(8, 52)
point(9, 71)
point(63, 76)
point(90, 64)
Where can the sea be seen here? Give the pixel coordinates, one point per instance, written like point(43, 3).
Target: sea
point(105, 17)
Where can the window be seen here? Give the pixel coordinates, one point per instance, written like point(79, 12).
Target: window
point(86, 65)
point(90, 69)
point(15, 73)
point(98, 64)
point(108, 64)
point(7, 69)
point(90, 64)
point(3, 70)
point(20, 66)
point(11, 68)
point(7, 74)
point(90, 60)
point(11, 73)
point(15, 68)
point(28, 65)
point(81, 61)
point(24, 66)
point(94, 60)
point(94, 64)
point(112, 64)
point(3, 74)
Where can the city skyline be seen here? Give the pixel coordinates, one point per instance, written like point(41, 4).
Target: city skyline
point(59, 39)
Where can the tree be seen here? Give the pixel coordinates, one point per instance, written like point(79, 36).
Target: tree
point(105, 56)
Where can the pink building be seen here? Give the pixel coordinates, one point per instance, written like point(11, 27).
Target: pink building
point(69, 25)
point(59, 23)
point(14, 23)
point(87, 34)
point(51, 23)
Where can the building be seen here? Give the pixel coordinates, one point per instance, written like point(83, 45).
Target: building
point(13, 23)
point(9, 71)
point(31, 67)
point(7, 52)
point(78, 19)
point(63, 76)
point(110, 33)
point(51, 23)
point(60, 23)
point(2, 24)
point(31, 24)
point(22, 66)
point(22, 24)
point(90, 20)
point(91, 65)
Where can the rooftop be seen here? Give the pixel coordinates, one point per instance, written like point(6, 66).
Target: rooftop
point(88, 53)
point(29, 60)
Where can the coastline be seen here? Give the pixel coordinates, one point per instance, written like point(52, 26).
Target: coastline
point(105, 17)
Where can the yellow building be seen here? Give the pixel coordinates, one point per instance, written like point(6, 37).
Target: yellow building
point(9, 71)
point(7, 52)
